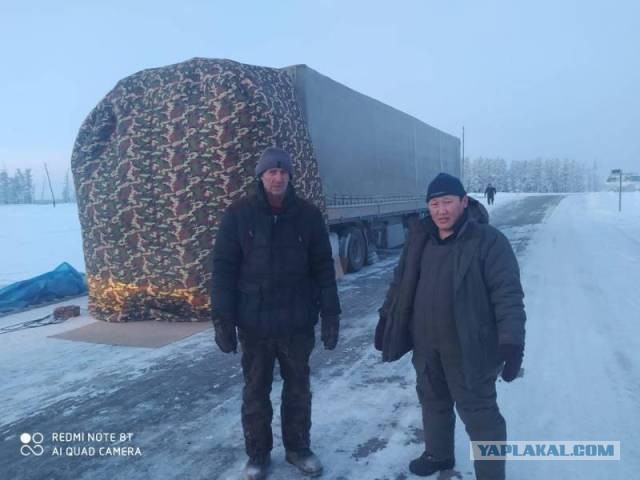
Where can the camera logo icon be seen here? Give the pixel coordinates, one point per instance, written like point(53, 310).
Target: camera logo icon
point(31, 444)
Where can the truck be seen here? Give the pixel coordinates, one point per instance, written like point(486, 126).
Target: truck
point(162, 155)
point(374, 162)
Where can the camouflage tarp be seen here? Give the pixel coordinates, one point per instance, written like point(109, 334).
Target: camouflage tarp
point(156, 163)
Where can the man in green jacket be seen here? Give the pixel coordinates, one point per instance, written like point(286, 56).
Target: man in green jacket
point(457, 302)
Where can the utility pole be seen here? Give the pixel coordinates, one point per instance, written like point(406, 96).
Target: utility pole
point(53, 197)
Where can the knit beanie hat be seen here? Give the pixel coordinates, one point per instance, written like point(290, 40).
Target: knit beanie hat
point(274, 157)
point(445, 184)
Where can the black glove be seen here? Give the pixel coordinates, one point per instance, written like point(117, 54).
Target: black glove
point(226, 337)
point(511, 355)
point(329, 329)
point(379, 335)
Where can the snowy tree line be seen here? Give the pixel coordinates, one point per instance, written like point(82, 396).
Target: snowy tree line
point(17, 188)
point(538, 175)
point(20, 188)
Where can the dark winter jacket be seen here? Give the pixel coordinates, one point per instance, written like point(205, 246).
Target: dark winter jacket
point(273, 273)
point(488, 296)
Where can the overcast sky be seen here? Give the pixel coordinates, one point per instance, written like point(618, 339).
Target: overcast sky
point(527, 79)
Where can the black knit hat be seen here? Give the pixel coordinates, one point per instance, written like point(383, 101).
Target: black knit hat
point(445, 184)
point(274, 157)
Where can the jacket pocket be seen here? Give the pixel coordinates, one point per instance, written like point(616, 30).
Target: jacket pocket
point(304, 303)
point(489, 345)
point(249, 305)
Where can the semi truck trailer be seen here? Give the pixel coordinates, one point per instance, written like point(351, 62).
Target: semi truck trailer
point(162, 155)
point(374, 162)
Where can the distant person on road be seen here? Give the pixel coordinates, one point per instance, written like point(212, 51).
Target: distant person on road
point(490, 193)
point(273, 274)
point(457, 302)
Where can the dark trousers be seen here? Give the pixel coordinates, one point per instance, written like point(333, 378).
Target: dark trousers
point(440, 384)
point(258, 360)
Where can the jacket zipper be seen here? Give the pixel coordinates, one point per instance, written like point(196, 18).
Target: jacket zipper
point(271, 253)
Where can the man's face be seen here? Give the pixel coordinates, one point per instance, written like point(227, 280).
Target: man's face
point(446, 210)
point(275, 181)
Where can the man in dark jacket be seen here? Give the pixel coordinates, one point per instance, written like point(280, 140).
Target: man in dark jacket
point(273, 275)
point(490, 193)
point(457, 302)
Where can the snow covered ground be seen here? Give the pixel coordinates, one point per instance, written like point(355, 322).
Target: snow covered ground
point(35, 239)
point(581, 277)
point(580, 271)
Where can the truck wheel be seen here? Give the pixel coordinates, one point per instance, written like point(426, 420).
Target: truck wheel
point(355, 249)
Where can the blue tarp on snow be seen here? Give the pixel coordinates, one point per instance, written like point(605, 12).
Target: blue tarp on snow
point(64, 281)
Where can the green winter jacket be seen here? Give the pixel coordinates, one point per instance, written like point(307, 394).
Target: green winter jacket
point(488, 298)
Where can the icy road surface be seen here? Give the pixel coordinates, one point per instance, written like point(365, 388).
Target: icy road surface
point(580, 264)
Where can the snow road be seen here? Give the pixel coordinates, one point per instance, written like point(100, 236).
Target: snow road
point(579, 260)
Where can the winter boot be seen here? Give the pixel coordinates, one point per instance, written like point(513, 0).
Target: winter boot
point(426, 465)
point(257, 467)
point(305, 461)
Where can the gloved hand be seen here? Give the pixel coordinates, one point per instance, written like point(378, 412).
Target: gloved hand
point(511, 355)
point(226, 337)
point(379, 335)
point(329, 329)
